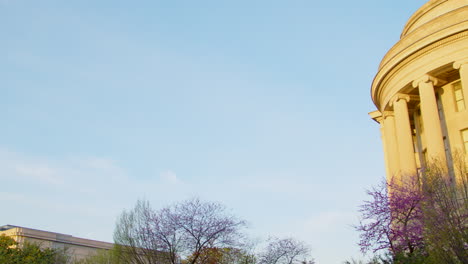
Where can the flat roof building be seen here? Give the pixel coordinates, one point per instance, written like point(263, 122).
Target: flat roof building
point(77, 248)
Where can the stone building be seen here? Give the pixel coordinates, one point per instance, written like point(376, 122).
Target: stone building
point(77, 248)
point(421, 90)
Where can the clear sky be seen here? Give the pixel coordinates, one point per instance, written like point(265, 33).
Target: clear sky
point(259, 104)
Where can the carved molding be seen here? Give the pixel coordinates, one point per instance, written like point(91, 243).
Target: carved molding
point(387, 72)
point(376, 116)
point(457, 65)
point(400, 96)
point(426, 78)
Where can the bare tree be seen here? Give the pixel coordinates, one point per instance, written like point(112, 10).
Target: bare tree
point(134, 236)
point(224, 256)
point(147, 236)
point(285, 251)
point(446, 213)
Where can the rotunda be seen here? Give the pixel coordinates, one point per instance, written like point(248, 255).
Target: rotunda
point(421, 90)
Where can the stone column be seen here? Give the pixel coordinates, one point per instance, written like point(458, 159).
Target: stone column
point(391, 146)
point(462, 66)
point(378, 117)
point(431, 120)
point(385, 150)
point(404, 135)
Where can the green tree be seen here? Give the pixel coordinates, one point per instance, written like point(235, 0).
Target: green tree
point(28, 253)
point(8, 250)
point(111, 256)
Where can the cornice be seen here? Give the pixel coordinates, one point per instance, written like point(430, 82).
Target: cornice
point(395, 65)
point(376, 116)
point(426, 78)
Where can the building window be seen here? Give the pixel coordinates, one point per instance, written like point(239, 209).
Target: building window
point(458, 94)
point(465, 139)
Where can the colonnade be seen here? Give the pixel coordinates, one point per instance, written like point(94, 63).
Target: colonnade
point(396, 130)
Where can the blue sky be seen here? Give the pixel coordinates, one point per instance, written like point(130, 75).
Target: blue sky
point(261, 105)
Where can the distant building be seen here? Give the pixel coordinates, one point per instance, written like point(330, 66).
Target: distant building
point(77, 248)
point(421, 90)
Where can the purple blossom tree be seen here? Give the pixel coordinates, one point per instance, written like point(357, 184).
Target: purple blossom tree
point(392, 220)
point(421, 217)
point(148, 236)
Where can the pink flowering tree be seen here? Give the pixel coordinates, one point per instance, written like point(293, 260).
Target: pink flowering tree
point(145, 235)
point(392, 221)
point(420, 218)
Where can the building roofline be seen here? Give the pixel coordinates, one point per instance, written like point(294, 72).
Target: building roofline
point(55, 237)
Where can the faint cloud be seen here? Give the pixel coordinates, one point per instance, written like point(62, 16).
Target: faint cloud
point(100, 163)
point(23, 169)
point(40, 172)
point(89, 174)
point(290, 184)
point(81, 182)
point(169, 176)
point(328, 221)
point(12, 197)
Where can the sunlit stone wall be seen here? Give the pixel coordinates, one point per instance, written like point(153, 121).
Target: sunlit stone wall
point(421, 91)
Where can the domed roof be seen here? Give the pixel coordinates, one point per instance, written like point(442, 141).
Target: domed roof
point(430, 11)
point(438, 24)
point(435, 20)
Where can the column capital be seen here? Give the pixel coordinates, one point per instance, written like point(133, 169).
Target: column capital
point(457, 65)
point(386, 114)
point(426, 78)
point(400, 96)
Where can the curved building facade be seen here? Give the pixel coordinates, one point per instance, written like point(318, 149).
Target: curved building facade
point(421, 90)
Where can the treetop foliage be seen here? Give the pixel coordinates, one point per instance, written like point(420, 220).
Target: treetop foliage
point(12, 253)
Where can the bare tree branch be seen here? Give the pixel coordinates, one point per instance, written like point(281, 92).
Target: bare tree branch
point(186, 228)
